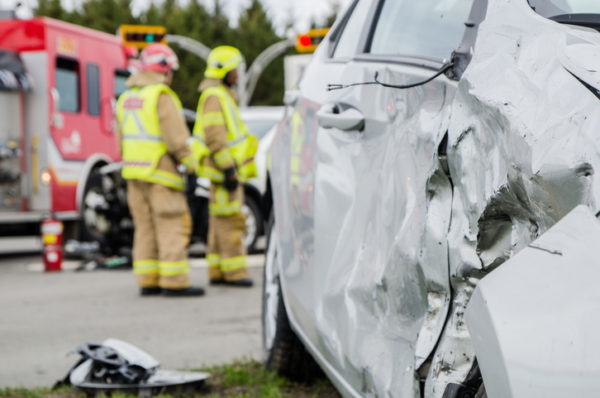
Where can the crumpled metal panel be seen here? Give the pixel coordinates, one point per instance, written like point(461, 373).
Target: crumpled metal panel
point(523, 147)
point(374, 236)
point(382, 302)
point(519, 353)
point(364, 292)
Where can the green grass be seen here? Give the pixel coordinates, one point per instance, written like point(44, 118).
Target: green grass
point(241, 379)
point(46, 392)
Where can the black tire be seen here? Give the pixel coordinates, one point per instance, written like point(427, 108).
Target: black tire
point(88, 231)
point(284, 353)
point(253, 223)
point(71, 231)
point(105, 216)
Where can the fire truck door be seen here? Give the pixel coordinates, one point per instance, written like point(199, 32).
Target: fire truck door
point(14, 84)
point(36, 190)
point(11, 159)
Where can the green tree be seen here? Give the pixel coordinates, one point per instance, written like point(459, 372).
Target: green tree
point(193, 21)
point(221, 32)
point(152, 16)
point(105, 15)
point(255, 33)
point(336, 10)
point(54, 9)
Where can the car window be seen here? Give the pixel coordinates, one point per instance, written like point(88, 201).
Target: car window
point(424, 28)
point(67, 84)
point(552, 8)
point(93, 89)
point(259, 128)
point(347, 45)
point(121, 77)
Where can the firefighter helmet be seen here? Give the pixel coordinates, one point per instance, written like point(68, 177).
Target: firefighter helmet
point(159, 58)
point(222, 60)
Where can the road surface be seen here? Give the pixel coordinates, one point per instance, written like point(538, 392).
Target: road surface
point(44, 316)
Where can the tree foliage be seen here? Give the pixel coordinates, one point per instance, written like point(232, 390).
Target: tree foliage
point(252, 34)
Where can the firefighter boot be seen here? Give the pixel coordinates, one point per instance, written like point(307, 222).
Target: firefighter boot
point(187, 292)
point(243, 282)
point(150, 291)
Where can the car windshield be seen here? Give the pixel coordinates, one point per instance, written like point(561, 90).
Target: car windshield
point(553, 8)
point(259, 128)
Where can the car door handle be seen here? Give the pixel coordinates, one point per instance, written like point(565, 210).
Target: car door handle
point(334, 116)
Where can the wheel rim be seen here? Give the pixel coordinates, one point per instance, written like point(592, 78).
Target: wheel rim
point(251, 225)
point(95, 223)
point(270, 293)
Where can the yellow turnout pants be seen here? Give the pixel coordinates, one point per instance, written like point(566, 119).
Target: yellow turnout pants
point(226, 227)
point(162, 232)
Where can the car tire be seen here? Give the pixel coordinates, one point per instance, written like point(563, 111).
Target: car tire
point(93, 226)
point(284, 353)
point(253, 222)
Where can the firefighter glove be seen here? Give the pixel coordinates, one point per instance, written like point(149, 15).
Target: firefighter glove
point(231, 181)
point(189, 163)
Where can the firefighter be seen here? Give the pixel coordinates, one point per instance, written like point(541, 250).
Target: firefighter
point(153, 138)
point(229, 161)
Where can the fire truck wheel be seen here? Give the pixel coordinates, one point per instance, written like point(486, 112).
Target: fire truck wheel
point(71, 230)
point(94, 223)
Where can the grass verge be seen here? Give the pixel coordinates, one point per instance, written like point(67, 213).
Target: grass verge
point(242, 379)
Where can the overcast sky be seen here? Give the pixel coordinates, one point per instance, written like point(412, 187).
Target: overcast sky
point(280, 11)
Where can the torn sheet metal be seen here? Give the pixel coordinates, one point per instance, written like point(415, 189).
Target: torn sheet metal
point(381, 249)
point(116, 365)
point(523, 148)
point(548, 348)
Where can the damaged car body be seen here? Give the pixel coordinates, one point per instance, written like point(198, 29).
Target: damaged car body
point(395, 190)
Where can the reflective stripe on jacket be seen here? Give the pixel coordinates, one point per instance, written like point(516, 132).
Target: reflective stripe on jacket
point(241, 146)
point(141, 141)
point(224, 203)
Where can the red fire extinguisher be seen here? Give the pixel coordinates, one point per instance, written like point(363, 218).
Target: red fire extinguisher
point(52, 240)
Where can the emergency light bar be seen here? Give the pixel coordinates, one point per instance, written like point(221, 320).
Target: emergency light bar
point(139, 36)
point(308, 42)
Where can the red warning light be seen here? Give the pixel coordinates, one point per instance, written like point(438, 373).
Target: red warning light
point(308, 42)
point(305, 40)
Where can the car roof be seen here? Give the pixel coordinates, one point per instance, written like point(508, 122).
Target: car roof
point(248, 113)
point(262, 112)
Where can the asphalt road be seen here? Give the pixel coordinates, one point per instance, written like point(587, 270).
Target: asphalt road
point(44, 316)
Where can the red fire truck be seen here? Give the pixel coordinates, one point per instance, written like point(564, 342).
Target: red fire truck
point(58, 84)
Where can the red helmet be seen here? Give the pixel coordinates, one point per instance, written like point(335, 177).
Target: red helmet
point(159, 58)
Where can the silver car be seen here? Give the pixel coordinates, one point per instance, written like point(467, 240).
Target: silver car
point(260, 121)
point(433, 226)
